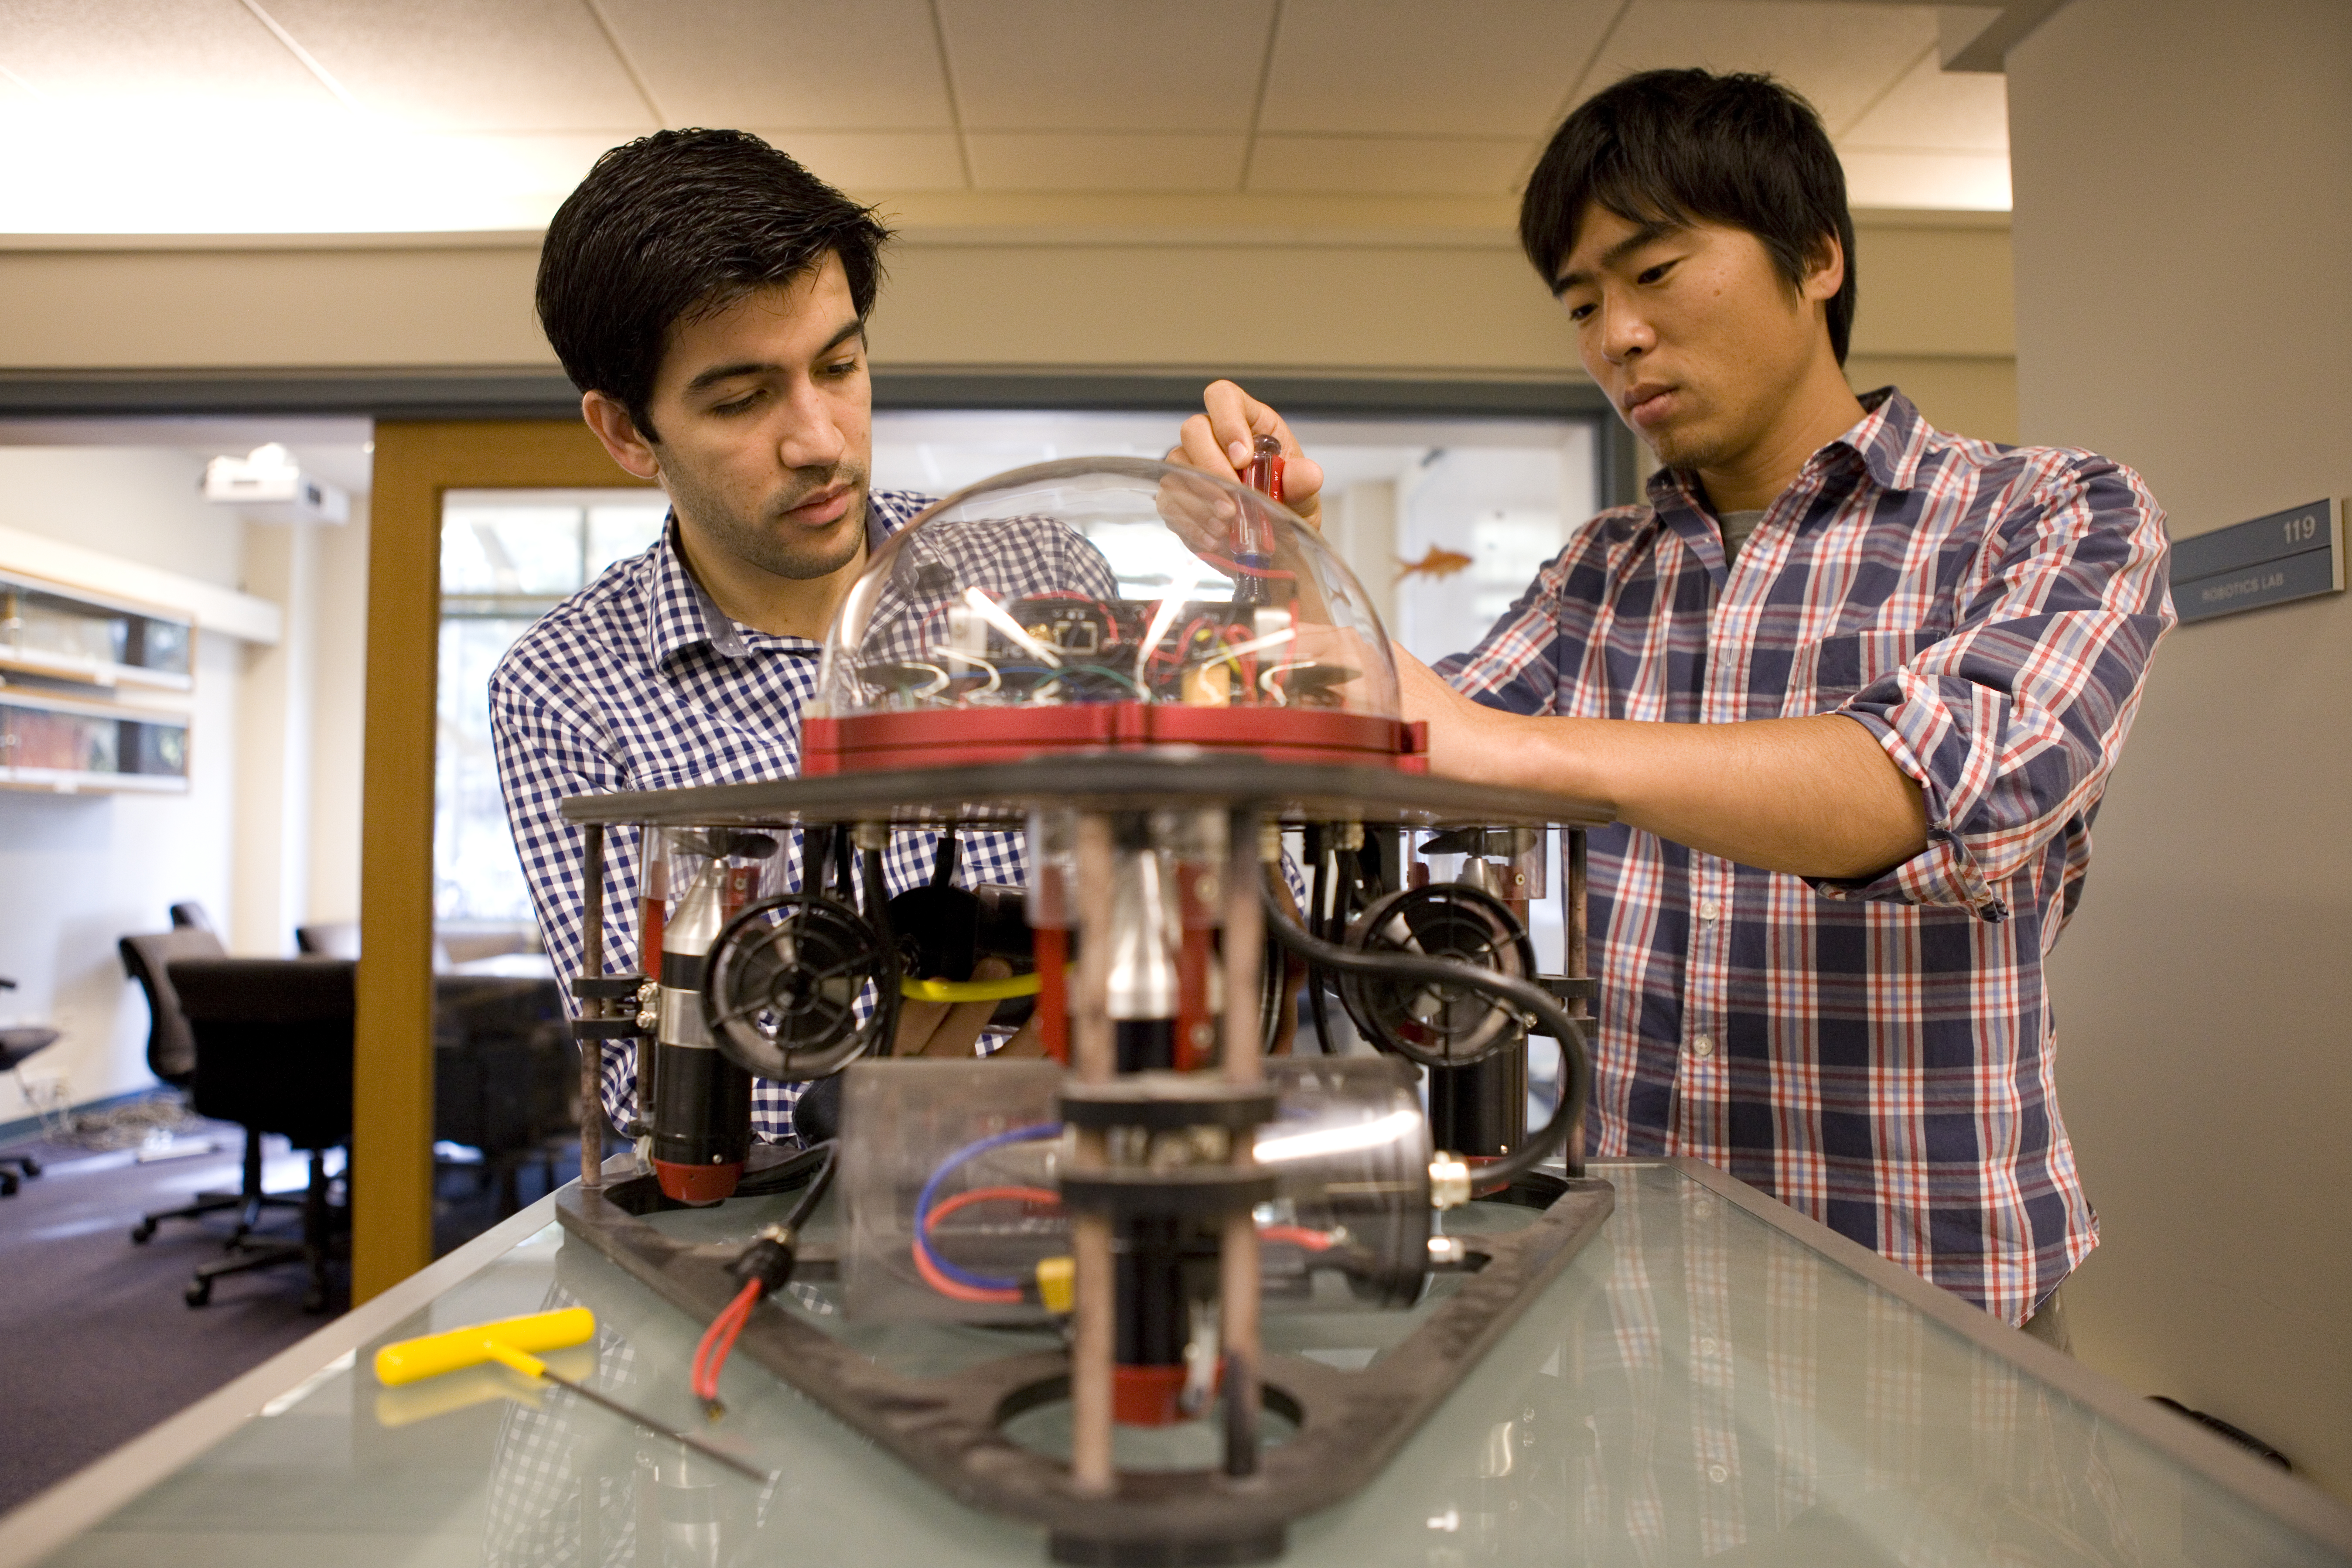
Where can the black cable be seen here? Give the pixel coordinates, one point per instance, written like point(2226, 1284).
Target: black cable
point(844, 867)
point(1575, 1060)
point(816, 852)
point(877, 915)
point(1317, 890)
point(810, 1169)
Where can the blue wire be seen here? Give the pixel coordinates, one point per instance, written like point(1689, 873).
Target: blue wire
point(932, 1189)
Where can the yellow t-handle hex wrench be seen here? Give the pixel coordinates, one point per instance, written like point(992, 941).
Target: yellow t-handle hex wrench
point(509, 1341)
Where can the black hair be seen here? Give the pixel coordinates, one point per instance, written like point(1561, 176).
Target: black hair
point(1684, 146)
point(674, 226)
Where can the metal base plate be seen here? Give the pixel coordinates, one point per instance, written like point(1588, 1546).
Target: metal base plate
point(1348, 1423)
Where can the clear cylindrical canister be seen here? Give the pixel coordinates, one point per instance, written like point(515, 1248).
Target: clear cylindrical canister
point(950, 1174)
point(1053, 899)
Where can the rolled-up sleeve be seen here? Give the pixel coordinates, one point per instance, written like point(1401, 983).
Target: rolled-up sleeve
point(2011, 724)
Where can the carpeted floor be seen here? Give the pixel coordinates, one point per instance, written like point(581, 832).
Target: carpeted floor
point(98, 1343)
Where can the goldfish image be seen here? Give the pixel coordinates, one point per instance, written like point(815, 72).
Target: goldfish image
point(1439, 563)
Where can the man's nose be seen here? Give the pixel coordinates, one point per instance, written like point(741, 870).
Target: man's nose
point(1624, 332)
point(811, 437)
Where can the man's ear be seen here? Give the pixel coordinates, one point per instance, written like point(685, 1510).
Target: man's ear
point(619, 433)
point(1825, 273)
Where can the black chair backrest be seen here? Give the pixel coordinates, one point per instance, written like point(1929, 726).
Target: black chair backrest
point(171, 1049)
point(329, 939)
point(192, 913)
point(273, 1043)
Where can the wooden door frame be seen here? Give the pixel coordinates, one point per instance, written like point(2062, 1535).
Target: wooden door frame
point(391, 1123)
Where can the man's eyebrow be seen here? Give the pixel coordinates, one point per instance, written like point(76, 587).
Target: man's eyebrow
point(718, 372)
point(1648, 234)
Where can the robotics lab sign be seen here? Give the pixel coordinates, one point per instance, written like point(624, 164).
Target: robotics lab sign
point(2288, 555)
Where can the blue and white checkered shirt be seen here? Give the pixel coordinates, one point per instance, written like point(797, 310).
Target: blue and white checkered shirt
point(640, 682)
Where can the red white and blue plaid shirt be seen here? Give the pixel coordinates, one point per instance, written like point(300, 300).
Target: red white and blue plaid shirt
point(1875, 1054)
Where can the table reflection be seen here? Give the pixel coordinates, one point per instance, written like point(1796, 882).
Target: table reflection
point(1696, 1387)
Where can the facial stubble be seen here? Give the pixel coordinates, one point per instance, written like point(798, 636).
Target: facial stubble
point(775, 545)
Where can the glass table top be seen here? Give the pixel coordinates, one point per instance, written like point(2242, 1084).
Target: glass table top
point(1702, 1380)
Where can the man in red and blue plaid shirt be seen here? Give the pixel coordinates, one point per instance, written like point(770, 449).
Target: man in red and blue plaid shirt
point(1853, 684)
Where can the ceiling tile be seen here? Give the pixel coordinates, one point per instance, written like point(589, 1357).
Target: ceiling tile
point(822, 65)
point(1839, 56)
point(1020, 161)
point(1934, 108)
point(518, 65)
point(1388, 165)
point(1401, 67)
point(150, 49)
point(1965, 182)
point(1108, 65)
point(859, 160)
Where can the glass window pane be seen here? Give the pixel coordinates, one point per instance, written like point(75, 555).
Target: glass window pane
point(510, 547)
point(477, 877)
point(506, 545)
point(617, 530)
point(1476, 523)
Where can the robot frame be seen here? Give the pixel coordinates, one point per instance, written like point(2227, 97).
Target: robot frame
point(1166, 1176)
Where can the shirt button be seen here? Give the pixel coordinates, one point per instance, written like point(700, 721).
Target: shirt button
point(1708, 910)
point(1702, 1045)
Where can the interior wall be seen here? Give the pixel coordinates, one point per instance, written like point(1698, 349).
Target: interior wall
point(1368, 300)
point(273, 800)
point(2180, 234)
point(84, 869)
point(338, 717)
point(298, 811)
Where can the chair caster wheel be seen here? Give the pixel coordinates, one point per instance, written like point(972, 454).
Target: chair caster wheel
point(32, 1166)
point(142, 1233)
point(7, 1186)
point(199, 1293)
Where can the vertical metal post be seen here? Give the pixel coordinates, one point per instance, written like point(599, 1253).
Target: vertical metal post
point(1093, 1059)
point(1573, 964)
point(591, 964)
point(1237, 1253)
point(1571, 897)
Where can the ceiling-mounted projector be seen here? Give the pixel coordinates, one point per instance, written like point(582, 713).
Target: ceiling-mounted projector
point(268, 486)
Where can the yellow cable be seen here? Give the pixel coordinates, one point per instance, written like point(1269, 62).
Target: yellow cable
point(970, 990)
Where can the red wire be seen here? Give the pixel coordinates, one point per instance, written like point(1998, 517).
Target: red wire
point(955, 1289)
point(956, 1292)
point(719, 1338)
point(971, 1195)
point(1298, 1235)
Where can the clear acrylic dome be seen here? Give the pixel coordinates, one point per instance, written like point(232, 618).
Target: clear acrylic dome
point(1112, 583)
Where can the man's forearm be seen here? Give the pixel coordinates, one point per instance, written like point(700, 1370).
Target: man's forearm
point(1816, 797)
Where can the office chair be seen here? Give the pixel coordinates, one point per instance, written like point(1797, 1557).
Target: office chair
point(172, 1057)
point(273, 1040)
point(19, 1041)
point(329, 939)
